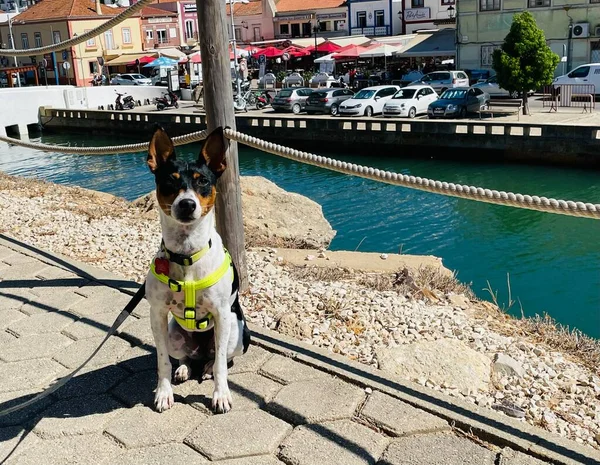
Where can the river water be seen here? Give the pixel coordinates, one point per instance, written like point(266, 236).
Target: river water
point(553, 261)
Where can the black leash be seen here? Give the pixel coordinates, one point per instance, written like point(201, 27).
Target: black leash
point(135, 300)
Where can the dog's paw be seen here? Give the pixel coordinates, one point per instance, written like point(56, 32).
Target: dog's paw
point(183, 373)
point(163, 400)
point(208, 370)
point(221, 401)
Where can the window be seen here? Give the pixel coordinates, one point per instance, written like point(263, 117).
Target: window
point(448, 2)
point(189, 29)
point(324, 26)
point(172, 33)
point(340, 25)
point(538, 3)
point(161, 35)
point(93, 66)
point(379, 18)
point(487, 54)
point(284, 29)
point(256, 33)
point(361, 19)
point(38, 39)
point(238, 34)
point(489, 5)
point(580, 72)
point(90, 42)
point(307, 29)
point(149, 35)
point(108, 40)
point(417, 3)
point(24, 40)
point(126, 35)
point(56, 36)
point(295, 30)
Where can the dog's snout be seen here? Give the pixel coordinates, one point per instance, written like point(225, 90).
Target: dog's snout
point(187, 206)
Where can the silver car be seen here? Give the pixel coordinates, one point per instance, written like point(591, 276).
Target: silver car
point(131, 80)
point(293, 100)
point(442, 80)
point(327, 100)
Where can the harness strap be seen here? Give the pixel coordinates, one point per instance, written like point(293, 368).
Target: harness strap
point(185, 260)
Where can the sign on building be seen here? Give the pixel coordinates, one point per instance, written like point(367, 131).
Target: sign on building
point(417, 14)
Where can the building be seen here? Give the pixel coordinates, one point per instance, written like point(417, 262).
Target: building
point(373, 17)
point(307, 18)
point(253, 21)
point(160, 29)
point(483, 25)
point(427, 14)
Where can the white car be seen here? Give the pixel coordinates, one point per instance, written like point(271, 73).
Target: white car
point(493, 89)
point(442, 80)
point(588, 75)
point(368, 101)
point(131, 80)
point(410, 101)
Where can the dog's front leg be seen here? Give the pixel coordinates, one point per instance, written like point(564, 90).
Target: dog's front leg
point(163, 400)
point(221, 401)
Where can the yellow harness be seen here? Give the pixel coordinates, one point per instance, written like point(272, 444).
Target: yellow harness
point(190, 288)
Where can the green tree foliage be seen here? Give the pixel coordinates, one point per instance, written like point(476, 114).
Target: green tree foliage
point(524, 62)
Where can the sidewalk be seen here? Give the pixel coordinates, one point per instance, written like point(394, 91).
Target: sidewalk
point(292, 403)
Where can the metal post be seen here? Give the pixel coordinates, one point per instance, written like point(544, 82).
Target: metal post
point(12, 43)
point(238, 90)
point(218, 98)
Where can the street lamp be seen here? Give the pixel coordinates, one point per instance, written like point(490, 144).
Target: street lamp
point(451, 12)
point(235, 61)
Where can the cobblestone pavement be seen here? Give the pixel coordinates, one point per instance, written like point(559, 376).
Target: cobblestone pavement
point(284, 411)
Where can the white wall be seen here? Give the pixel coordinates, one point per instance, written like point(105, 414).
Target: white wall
point(105, 95)
point(370, 7)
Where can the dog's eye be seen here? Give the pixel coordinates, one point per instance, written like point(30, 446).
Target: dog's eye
point(201, 180)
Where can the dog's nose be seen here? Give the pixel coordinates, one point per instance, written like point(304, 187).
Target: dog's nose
point(187, 206)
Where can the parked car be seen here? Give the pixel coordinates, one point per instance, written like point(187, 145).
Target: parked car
point(584, 74)
point(457, 103)
point(442, 80)
point(492, 88)
point(478, 75)
point(291, 99)
point(133, 79)
point(327, 100)
point(410, 101)
point(368, 101)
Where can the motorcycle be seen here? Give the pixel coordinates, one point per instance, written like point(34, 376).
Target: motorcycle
point(263, 100)
point(126, 104)
point(163, 102)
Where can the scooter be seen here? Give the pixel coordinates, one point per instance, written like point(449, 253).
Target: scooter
point(126, 104)
point(262, 100)
point(163, 102)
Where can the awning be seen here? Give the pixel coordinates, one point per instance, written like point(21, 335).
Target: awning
point(351, 40)
point(124, 59)
point(431, 44)
point(306, 42)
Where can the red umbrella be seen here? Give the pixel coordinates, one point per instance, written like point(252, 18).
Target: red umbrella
point(269, 52)
point(143, 61)
point(349, 53)
point(326, 47)
point(296, 51)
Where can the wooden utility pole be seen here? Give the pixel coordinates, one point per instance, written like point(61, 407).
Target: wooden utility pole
point(218, 104)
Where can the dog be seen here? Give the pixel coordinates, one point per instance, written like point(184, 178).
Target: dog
point(192, 276)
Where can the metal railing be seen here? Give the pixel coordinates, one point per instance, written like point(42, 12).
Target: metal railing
point(570, 96)
point(371, 31)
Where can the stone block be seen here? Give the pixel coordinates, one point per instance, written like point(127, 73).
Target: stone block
point(142, 310)
point(504, 365)
point(94, 326)
point(333, 443)
point(285, 370)
point(72, 450)
point(76, 353)
point(26, 269)
point(511, 457)
point(35, 346)
point(248, 390)
point(316, 400)
point(138, 332)
point(138, 389)
point(433, 449)
point(142, 426)
point(6, 337)
point(160, 455)
point(82, 415)
point(13, 298)
point(44, 323)
point(6, 252)
point(101, 299)
point(9, 316)
point(92, 380)
point(398, 418)
point(238, 434)
point(56, 274)
point(10, 399)
point(48, 300)
point(251, 361)
point(138, 359)
point(28, 374)
point(13, 441)
point(256, 460)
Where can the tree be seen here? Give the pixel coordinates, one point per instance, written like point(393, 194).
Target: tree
point(524, 62)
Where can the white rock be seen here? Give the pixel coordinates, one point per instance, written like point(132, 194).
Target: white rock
point(505, 365)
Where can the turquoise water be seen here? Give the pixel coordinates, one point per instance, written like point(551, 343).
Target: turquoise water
point(553, 261)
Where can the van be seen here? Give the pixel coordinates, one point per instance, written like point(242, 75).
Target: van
point(442, 80)
point(584, 74)
point(159, 75)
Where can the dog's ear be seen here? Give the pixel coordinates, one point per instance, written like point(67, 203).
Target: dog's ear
point(213, 152)
point(161, 149)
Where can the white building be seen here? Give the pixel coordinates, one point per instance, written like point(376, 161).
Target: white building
point(298, 18)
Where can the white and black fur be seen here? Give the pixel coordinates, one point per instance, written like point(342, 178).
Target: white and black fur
point(185, 192)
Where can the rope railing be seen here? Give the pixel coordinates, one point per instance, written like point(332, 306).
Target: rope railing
point(530, 202)
point(79, 39)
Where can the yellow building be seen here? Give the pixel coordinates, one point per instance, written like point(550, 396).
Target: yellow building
point(53, 21)
point(572, 29)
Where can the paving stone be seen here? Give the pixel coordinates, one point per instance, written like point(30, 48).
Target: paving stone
point(142, 310)
point(286, 370)
point(48, 300)
point(6, 252)
point(512, 457)
point(42, 324)
point(82, 415)
point(256, 460)
point(433, 449)
point(142, 426)
point(251, 361)
point(23, 270)
point(92, 380)
point(101, 299)
point(316, 400)
point(137, 389)
point(248, 390)
point(14, 440)
point(13, 298)
point(138, 359)
point(17, 258)
point(160, 455)
point(398, 418)
point(93, 326)
point(72, 450)
point(28, 374)
point(333, 443)
point(35, 346)
point(6, 337)
point(238, 434)
point(76, 353)
point(10, 399)
point(138, 332)
point(8, 316)
point(56, 273)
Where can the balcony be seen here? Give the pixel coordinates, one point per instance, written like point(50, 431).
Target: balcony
point(371, 31)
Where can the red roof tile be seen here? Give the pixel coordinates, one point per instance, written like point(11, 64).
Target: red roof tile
point(284, 6)
point(149, 11)
point(254, 7)
point(63, 9)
